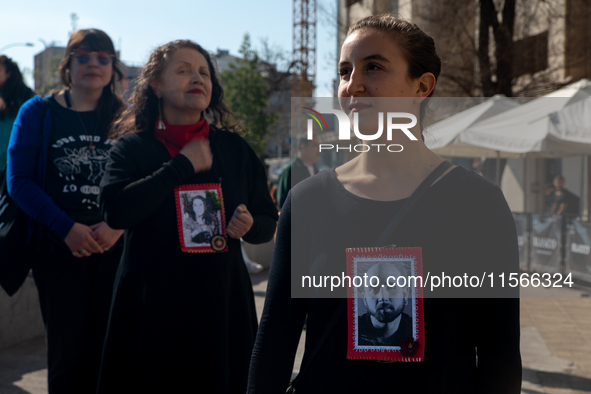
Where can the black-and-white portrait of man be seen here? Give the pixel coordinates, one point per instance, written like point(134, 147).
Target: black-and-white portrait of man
point(384, 315)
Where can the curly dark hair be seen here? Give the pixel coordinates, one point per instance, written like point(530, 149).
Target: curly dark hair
point(14, 92)
point(110, 102)
point(207, 206)
point(142, 112)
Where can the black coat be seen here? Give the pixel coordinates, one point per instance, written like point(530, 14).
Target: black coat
point(180, 322)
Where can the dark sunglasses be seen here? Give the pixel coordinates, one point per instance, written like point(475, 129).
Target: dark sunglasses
point(83, 57)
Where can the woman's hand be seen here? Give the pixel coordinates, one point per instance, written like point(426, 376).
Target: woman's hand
point(240, 223)
point(104, 235)
point(198, 152)
point(81, 241)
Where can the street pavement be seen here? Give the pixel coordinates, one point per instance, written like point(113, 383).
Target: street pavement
point(555, 345)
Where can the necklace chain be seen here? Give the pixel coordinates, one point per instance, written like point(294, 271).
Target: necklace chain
point(92, 147)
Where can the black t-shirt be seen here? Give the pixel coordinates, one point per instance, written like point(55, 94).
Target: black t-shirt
point(462, 223)
point(568, 198)
point(74, 169)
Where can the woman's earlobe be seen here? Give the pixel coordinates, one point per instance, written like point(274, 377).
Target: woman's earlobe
point(156, 92)
point(427, 84)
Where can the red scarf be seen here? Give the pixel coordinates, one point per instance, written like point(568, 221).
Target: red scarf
point(175, 137)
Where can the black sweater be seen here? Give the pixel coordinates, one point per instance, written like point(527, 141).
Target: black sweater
point(179, 321)
point(462, 219)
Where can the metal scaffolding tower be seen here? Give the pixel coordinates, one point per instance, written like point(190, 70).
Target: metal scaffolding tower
point(304, 47)
point(304, 56)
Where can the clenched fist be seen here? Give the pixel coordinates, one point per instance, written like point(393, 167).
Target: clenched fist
point(240, 222)
point(198, 152)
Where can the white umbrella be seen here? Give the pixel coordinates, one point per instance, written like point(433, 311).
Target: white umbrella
point(573, 123)
point(445, 132)
point(529, 128)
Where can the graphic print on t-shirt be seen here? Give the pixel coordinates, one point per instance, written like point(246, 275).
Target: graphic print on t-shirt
point(385, 310)
point(74, 160)
point(201, 218)
point(77, 169)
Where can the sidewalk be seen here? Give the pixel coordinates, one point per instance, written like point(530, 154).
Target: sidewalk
point(23, 369)
point(556, 343)
point(555, 346)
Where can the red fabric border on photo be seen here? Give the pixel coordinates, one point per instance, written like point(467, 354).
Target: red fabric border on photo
point(411, 348)
point(216, 187)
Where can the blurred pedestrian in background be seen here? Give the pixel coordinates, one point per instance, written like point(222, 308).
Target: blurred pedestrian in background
point(562, 201)
point(56, 159)
point(299, 168)
point(13, 93)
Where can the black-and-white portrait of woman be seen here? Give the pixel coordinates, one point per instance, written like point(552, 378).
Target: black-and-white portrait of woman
point(198, 221)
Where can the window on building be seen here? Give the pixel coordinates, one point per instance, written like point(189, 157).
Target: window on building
point(530, 54)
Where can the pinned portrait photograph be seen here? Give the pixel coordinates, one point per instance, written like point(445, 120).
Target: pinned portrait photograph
point(386, 314)
point(201, 218)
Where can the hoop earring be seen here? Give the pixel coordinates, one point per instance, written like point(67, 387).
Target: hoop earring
point(161, 125)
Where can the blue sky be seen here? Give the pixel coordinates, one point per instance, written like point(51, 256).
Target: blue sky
point(140, 26)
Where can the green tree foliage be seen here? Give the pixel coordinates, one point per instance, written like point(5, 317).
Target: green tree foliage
point(247, 93)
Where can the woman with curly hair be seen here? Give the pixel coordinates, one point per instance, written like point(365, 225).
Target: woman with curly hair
point(13, 93)
point(183, 315)
point(199, 221)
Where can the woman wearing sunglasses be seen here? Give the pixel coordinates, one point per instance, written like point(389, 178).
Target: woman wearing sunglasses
point(56, 160)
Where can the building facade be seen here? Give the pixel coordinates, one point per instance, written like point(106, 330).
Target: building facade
point(551, 41)
point(550, 48)
point(46, 69)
